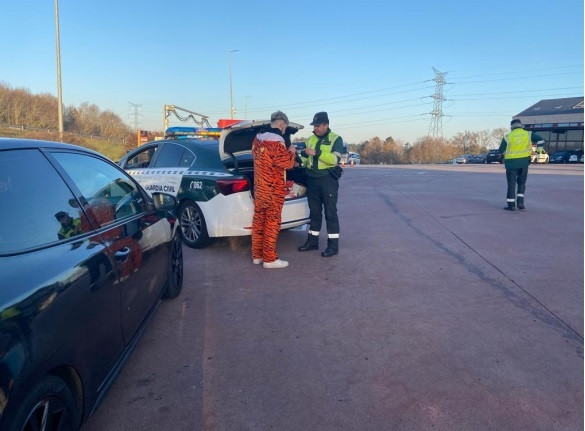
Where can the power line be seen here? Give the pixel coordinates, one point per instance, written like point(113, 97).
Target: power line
point(515, 71)
point(514, 92)
point(528, 96)
point(516, 78)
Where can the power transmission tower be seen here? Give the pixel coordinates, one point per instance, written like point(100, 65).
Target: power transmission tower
point(137, 123)
point(436, 128)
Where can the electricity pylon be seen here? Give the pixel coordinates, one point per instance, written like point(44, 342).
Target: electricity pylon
point(436, 128)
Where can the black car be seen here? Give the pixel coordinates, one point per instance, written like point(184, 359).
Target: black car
point(479, 158)
point(561, 157)
point(85, 256)
point(493, 156)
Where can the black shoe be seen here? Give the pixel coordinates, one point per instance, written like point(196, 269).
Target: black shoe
point(332, 248)
point(509, 207)
point(521, 207)
point(329, 252)
point(312, 243)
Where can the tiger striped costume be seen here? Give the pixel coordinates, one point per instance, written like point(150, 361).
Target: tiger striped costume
point(271, 160)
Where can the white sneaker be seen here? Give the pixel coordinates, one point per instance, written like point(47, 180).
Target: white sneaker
point(278, 263)
point(256, 261)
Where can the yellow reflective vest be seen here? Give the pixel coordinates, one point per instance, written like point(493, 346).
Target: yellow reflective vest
point(328, 158)
point(518, 144)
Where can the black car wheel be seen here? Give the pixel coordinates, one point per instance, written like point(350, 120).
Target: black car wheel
point(175, 280)
point(50, 405)
point(192, 224)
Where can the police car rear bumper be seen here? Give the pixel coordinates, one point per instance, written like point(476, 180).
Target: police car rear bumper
point(232, 215)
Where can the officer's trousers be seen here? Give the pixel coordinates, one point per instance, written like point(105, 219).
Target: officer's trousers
point(322, 195)
point(516, 177)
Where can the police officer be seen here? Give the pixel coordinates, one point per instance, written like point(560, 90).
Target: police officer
point(517, 148)
point(69, 226)
point(321, 159)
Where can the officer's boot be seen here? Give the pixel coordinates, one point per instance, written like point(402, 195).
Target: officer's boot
point(332, 247)
point(520, 202)
point(312, 243)
point(510, 206)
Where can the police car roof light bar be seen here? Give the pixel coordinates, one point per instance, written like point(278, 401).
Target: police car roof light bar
point(192, 132)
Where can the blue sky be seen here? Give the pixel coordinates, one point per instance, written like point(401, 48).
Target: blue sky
point(368, 64)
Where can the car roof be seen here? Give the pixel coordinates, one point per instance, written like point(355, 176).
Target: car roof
point(20, 144)
point(206, 150)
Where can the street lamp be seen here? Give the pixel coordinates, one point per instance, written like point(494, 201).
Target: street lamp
point(59, 93)
point(232, 109)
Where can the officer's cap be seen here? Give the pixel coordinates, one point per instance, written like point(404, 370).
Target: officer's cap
point(320, 118)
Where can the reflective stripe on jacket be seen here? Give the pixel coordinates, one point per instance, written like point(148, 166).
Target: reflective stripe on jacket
point(518, 144)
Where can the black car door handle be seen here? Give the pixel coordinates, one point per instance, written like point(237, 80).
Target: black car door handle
point(122, 254)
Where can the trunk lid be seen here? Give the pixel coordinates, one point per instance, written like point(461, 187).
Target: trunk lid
point(236, 140)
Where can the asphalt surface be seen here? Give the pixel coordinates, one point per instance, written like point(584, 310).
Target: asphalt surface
point(441, 312)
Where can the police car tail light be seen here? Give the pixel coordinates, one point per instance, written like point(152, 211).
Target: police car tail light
point(228, 187)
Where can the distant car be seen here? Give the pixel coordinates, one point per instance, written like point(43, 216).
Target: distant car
point(85, 257)
point(353, 158)
point(464, 158)
point(211, 173)
point(493, 156)
point(539, 157)
point(576, 156)
point(561, 157)
point(479, 158)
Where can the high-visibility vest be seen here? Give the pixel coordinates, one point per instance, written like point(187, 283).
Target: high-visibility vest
point(326, 147)
point(518, 143)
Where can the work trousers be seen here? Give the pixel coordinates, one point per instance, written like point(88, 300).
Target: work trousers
point(266, 227)
point(322, 194)
point(516, 177)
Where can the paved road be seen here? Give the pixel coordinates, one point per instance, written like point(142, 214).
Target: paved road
point(442, 312)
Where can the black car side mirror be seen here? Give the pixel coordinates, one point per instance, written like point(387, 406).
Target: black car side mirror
point(164, 201)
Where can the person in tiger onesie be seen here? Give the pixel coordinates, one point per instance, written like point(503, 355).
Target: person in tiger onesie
point(271, 160)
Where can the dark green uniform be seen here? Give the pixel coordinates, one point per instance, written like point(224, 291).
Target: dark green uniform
point(322, 186)
point(516, 148)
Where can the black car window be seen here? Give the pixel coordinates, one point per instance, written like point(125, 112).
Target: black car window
point(110, 193)
point(37, 206)
point(187, 159)
point(172, 156)
point(141, 159)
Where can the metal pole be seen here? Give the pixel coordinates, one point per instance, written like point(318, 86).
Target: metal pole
point(59, 92)
point(246, 108)
point(231, 93)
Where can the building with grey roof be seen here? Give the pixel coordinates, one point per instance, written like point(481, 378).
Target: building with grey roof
point(558, 121)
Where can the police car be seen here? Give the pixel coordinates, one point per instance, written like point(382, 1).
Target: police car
point(211, 173)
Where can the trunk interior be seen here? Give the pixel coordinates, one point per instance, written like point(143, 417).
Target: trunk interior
point(244, 165)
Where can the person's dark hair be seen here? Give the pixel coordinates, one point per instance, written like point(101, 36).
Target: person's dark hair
point(61, 214)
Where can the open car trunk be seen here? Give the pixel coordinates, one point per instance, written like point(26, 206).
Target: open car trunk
point(235, 151)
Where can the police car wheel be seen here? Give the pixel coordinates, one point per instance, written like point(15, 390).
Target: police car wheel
point(192, 224)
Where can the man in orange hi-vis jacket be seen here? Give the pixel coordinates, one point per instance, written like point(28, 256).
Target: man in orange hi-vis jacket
point(271, 160)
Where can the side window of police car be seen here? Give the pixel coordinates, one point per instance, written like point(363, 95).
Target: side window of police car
point(141, 159)
point(37, 206)
point(174, 155)
point(110, 193)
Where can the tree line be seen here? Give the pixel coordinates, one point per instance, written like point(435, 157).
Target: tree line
point(19, 107)
point(38, 112)
point(427, 149)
